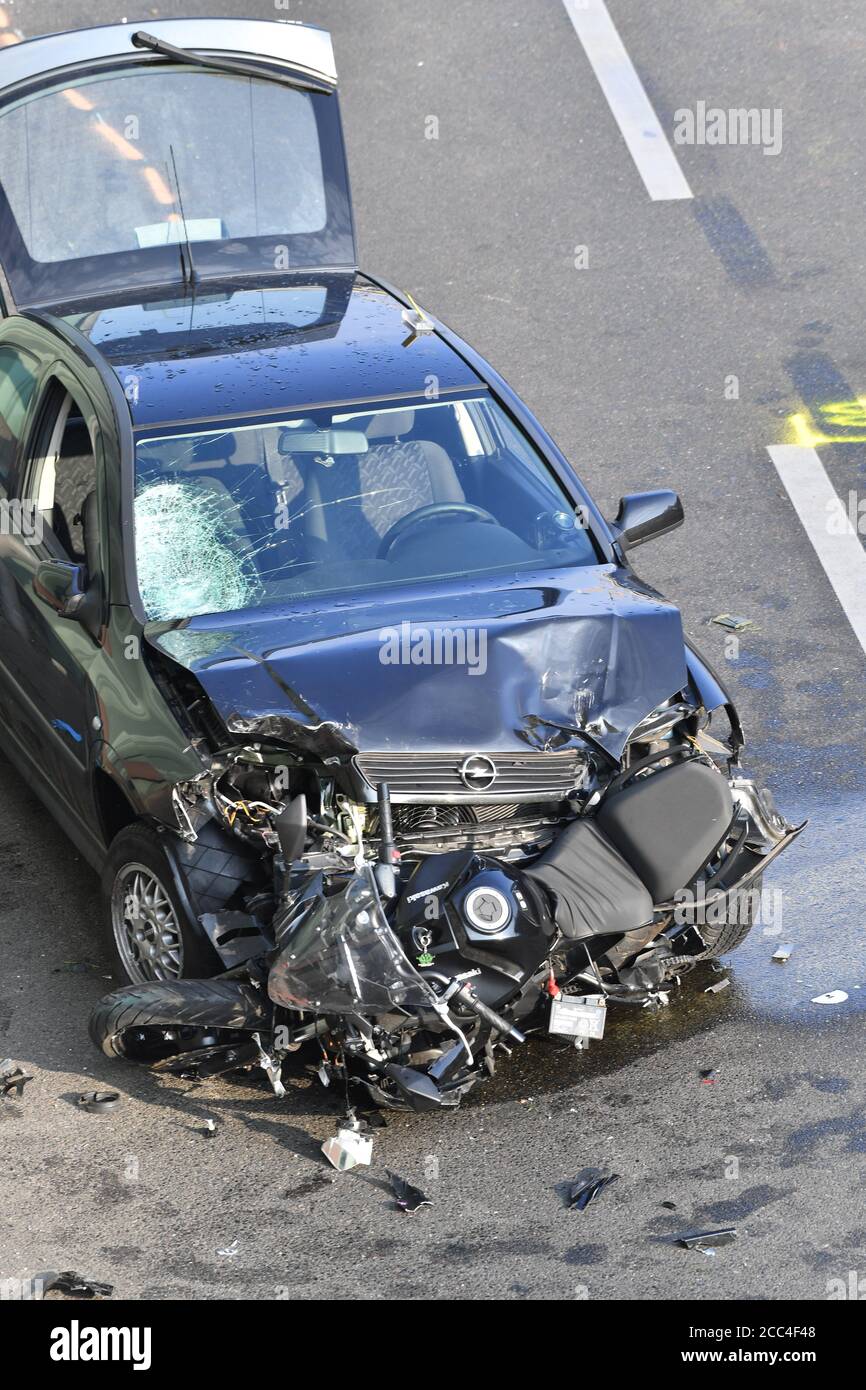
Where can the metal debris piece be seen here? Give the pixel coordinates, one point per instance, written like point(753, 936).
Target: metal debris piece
point(708, 1076)
point(348, 1147)
point(718, 986)
point(407, 1197)
point(586, 1187)
point(14, 1081)
point(833, 996)
point(229, 1251)
point(782, 953)
point(732, 621)
point(98, 1102)
point(74, 1285)
point(707, 1240)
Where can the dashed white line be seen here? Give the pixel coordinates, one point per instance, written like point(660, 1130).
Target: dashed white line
point(639, 124)
point(828, 527)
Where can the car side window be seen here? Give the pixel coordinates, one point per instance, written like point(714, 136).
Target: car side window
point(17, 386)
point(62, 477)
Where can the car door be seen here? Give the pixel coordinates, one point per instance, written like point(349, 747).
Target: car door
point(50, 705)
point(177, 154)
point(19, 380)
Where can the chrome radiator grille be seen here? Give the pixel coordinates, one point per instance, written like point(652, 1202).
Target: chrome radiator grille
point(474, 777)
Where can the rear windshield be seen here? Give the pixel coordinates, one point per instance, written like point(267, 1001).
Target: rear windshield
point(345, 500)
point(119, 168)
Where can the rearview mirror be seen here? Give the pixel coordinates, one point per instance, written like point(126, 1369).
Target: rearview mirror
point(62, 586)
point(643, 515)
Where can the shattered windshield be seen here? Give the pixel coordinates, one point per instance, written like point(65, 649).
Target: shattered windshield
point(236, 518)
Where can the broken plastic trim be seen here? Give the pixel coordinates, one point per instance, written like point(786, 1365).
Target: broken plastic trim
point(408, 1198)
point(707, 1240)
point(586, 1187)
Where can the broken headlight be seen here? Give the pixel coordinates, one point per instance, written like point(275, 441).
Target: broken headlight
point(342, 957)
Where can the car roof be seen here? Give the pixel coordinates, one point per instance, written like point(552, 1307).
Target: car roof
point(275, 350)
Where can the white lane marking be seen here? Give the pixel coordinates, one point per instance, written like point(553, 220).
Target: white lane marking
point(639, 124)
point(840, 551)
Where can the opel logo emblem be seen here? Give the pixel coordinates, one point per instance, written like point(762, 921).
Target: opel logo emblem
point(478, 773)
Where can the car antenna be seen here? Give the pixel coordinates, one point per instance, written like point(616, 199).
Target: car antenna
point(187, 268)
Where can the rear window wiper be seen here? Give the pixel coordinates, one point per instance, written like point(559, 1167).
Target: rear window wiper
point(141, 39)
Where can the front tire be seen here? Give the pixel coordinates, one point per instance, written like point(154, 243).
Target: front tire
point(150, 1023)
point(149, 917)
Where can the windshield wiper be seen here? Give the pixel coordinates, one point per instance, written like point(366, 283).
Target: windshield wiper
point(141, 39)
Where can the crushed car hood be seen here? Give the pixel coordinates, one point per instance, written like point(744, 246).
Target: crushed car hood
point(544, 661)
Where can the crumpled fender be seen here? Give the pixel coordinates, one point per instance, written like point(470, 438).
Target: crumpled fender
point(713, 693)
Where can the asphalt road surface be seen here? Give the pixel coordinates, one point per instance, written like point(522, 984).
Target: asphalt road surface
point(627, 350)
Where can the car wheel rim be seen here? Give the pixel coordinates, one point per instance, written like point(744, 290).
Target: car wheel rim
point(146, 929)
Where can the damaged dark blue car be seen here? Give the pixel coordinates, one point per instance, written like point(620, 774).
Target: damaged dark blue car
point(309, 635)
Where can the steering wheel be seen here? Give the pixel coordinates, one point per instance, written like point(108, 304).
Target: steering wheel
point(465, 511)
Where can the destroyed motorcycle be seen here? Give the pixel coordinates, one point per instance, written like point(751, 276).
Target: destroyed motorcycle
point(407, 975)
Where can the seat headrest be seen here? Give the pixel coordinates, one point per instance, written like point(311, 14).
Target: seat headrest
point(390, 424)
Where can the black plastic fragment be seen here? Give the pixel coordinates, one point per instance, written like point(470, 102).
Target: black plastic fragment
point(407, 1197)
point(99, 1102)
point(586, 1187)
point(707, 1240)
point(670, 1206)
point(708, 1075)
point(75, 1285)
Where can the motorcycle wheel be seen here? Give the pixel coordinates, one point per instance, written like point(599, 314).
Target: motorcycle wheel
point(149, 1023)
point(722, 937)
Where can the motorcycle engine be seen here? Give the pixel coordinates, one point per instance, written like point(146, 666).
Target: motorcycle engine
point(463, 912)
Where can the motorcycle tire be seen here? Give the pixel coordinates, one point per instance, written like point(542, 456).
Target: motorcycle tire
point(726, 936)
point(148, 1023)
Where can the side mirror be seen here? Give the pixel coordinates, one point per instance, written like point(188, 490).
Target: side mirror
point(643, 515)
point(62, 586)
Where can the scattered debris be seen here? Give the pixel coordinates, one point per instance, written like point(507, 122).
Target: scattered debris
point(209, 1129)
point(229, 1251)
point(718, 986)
point(586, 1187)
point(833, 996)
point(708, 1076)
point(73, 1285)
point(782, 953)
point(348, 1147)
point(98, 1102)
point(14, 1080)
point(732, 621)
point(670, 1206)
point(75, 967)
point(707, 1240)
point(416, 321)
point(407, 1197)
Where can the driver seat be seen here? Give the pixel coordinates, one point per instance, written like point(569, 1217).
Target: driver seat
point(353, 502)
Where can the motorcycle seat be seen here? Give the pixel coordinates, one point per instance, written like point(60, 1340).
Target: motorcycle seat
point(593, 890)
